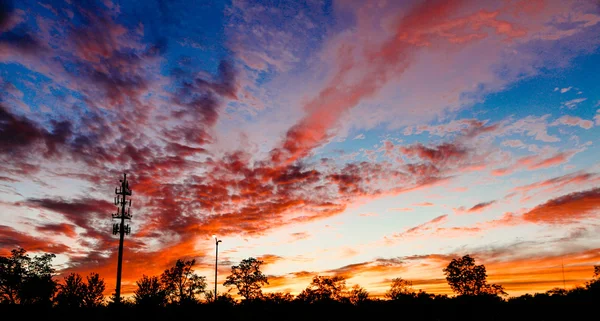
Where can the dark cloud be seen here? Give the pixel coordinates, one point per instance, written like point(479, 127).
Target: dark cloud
point(201, 98)
point(20, 41)
point(11, 238)
point(80, 212)
point(58, 228)
point(6, 13)
point(18, 134)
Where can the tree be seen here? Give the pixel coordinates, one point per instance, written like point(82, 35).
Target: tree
point(400, 288)
point(324, 288)
point(26, 280)
point(182, 285)
point(247, 278)
point(94, 294)
point(466, 278)
point(123, 301)
point(278, 297)
point(76, 293)
point(557, 292)
point(72, 292)
point(594, 284)
point(150, 292)
point(358, 295)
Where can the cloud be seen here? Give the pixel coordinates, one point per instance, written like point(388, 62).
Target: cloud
point(566, 209)
point(58, 228)
point(359, 136)
point(402, 209)
point(11, 238)
point(443, 153)
point(560, 181)
point(477, 208)
point(535, 162)
point(418, 230)
point(423, 204)
point(536, 127)
point(564, 90)
point(9, 17)
point(370, 214)
point(517, 143)
point(82, 213)
point(574, 121)
point(297, 236)
point(465, 127)
point(383, 62)
point(572, 104)
point(378, 265)
point(269, 259)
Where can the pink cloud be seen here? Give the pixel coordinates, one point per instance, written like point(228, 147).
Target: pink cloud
point(534, 162)
point(560, 181)
point(424, 204)
point(351, 83)
point(419, 229)
point(574, 121)
point(402, 209)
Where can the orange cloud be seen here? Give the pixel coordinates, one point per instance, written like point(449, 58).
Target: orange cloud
point(566, 209)
point(269, 258)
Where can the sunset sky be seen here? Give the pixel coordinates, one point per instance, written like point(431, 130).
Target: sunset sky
point(367, 139)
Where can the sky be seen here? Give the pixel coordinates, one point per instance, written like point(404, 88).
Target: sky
point(365, 139)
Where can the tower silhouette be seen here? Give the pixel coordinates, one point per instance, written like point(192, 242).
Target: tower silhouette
point(121, 228)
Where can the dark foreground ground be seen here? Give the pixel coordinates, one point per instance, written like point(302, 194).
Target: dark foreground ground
point(449, 310)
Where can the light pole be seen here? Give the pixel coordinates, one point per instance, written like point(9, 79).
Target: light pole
point(217, 241)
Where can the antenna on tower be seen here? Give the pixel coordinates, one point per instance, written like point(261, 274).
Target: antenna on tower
point(123, 213)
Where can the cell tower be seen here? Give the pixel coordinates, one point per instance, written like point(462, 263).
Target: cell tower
point(121, 228)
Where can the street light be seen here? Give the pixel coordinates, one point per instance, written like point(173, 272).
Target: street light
point(217, 241)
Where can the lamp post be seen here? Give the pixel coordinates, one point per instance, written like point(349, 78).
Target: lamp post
point(217, 241)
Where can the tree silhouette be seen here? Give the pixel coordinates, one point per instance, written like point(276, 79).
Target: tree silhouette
point(278, 297)
point(324, 288)
point(594, 285)
point(94, 294)
point(400, 288)
point(247, 278)
point(74, 292)
point(358, 295)
point(466, 278)
point(150, 292)
point(557, 291)
point(182, 285)
point(27, 280)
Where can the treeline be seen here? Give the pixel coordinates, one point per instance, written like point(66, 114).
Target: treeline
point(29, 288)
